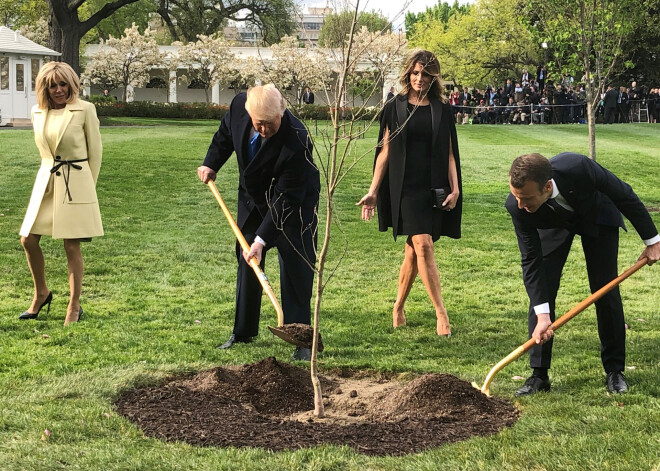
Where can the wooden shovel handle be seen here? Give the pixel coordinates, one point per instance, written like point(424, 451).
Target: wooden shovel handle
point(562, 320)
point(263, 279)
point(591, 299)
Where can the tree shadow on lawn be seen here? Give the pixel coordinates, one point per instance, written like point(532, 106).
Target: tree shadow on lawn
point(269, 405)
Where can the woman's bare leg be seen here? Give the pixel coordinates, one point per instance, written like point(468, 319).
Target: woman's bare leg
point(35, 260)
point(75, 265)
point(407, 275)
point(428, 271)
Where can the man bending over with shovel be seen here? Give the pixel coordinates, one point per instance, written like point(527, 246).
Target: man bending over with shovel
point(550, 202)
point(278, 194)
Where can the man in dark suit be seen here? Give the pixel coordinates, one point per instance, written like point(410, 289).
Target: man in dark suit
point(622, 105)
point(609, 104)
point(465, 96)
point(541, 77)
point(278, 196)
point(508, 89)
point(550, 202)
point(308, 96)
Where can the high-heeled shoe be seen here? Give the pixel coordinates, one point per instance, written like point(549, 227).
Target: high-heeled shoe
point(80, 313)
point(29, 315)
point(442, 328)
point(398, 320)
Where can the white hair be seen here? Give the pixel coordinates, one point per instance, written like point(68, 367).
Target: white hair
point(265, 102)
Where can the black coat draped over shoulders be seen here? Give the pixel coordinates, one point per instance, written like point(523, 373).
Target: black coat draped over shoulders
point(393, 117)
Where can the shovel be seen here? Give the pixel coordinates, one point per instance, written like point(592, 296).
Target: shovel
point(558, 323)
point(293, 337)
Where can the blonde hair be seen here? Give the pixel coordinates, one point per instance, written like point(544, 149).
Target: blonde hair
point(46, 77)
point(430, 66)
point(265, 102)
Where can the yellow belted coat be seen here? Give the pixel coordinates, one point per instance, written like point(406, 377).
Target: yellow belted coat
point(76, 212)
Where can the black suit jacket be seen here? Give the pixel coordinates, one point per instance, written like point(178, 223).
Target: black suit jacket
point(282, 178)
point(611, 98)
point(598, 198)
point(308, 98)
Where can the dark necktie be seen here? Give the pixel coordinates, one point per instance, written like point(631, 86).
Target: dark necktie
point(563, 213)
point(253, 147)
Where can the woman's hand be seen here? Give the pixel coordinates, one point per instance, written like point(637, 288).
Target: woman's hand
point(450, 201)
point(368, 203)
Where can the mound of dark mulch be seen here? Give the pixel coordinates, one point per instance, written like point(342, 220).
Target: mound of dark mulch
point(263, 405)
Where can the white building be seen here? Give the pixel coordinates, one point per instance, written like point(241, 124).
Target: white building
point(308, 28)
point(310, 24)
point(20, 61)
point(171, 89)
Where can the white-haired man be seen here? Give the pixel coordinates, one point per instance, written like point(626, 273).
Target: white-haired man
point(278, 196)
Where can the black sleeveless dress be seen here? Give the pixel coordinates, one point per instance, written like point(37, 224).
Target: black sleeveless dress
point(417, 215)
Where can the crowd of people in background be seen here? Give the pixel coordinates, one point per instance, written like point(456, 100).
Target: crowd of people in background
point(539, 100)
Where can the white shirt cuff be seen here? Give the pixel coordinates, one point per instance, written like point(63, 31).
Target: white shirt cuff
point(260, 240)
point(542, 309)
point(653, 240)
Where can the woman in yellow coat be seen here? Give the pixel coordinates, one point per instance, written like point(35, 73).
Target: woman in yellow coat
point(63, 202)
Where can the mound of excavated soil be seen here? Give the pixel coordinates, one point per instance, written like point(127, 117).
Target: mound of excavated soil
point(268, 405)
point(298, 334)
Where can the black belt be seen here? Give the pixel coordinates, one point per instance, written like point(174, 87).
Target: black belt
point(68, 163)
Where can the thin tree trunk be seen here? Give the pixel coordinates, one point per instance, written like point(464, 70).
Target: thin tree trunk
point(591, 119)
point(319, 409)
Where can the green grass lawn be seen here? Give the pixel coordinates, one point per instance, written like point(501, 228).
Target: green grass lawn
point(159, 292)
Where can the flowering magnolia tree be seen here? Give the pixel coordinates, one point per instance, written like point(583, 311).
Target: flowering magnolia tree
point(207, 61)
point(294, 67)
point(36, 32)
point(125, 62)
point(380, 53)
point(245, 73)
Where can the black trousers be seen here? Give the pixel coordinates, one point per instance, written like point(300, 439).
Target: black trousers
point(296, 256)
point(609, 115)
point(601, 257)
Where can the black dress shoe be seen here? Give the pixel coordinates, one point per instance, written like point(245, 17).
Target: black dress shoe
point(29, 315)
point(234, 339)
point(301, 354)
point(616, 383)
point(533, 385)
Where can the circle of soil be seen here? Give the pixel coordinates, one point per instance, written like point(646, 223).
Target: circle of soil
point(270, 405)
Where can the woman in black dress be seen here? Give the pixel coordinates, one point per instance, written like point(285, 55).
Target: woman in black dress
point(417, 152)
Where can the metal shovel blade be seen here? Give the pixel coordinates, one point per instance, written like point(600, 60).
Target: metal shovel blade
point(301, 335)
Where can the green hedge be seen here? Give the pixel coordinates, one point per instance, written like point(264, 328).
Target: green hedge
point(147, 109)
point(322, 112)
point(108, 106)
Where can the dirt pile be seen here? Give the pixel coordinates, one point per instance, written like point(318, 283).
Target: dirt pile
point(301, 335)
point(267, 404)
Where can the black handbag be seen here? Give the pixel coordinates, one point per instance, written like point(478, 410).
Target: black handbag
point(439, 195)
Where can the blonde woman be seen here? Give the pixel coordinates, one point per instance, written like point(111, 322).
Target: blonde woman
point(417, 179)
point(63, 204)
